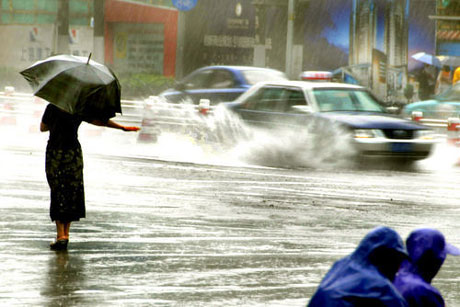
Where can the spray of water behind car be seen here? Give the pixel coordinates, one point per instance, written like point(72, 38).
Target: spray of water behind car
point(213, 134)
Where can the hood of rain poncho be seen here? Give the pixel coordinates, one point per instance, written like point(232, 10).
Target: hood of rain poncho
point(355, 279)
point(427, 251)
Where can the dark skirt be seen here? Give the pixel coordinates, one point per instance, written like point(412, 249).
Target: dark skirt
point(64, 172)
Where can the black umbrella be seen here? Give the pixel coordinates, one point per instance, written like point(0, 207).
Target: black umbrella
point(76, 84)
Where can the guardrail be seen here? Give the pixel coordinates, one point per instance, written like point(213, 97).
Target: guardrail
point(23, 104)
point(434, 123)
point(16, 104)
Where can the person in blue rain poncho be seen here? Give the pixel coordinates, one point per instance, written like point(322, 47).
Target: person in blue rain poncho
point(364, 278)
point(427, 250)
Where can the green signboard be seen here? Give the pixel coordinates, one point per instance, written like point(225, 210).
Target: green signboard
point(138, 47)
point(44, 12)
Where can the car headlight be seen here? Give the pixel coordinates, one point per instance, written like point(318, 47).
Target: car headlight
point(368, 133)
point(424, 134)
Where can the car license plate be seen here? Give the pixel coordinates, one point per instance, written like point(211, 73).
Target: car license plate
point(401, 147)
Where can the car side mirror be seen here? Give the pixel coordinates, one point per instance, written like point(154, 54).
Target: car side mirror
point(302, 109)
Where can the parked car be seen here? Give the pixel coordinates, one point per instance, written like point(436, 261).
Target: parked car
point(219, 83)
point(374, 131)
point(441, 106)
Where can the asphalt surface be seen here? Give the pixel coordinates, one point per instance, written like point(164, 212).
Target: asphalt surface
point(175, 225)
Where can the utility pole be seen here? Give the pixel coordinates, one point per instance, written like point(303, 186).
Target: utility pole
point(98, 31)
point(290, 38)
point(300, 8)
point(294, 35)
point(63, 27)
point(181, 21)
point(259, 46)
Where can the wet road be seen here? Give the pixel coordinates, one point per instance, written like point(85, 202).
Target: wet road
point(202, 231)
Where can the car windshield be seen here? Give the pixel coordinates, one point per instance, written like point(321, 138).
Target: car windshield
point(254, 76)
point(330, 100)
point(452, 94)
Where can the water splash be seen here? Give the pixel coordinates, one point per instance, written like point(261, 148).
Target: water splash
point(298, 148)
point(445, 157)
point(180, 132)
point(223, 136)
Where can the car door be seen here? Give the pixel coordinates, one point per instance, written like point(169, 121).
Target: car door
point(255, 110)
point(223, 87)
point(272, 106)
point(196, 85)
point(286, 112)
point(217, 85)
point(190, 87)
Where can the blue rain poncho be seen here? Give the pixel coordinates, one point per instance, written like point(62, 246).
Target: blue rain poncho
point(363, 278)
point(427, 251)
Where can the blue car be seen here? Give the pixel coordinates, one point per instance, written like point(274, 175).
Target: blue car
point(219, 83)
point(374, 131)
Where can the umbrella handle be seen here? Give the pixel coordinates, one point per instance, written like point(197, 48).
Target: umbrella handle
point(89, 57)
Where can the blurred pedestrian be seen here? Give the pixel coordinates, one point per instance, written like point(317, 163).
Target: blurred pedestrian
point(364, 278)
point(426, 81)
point(409, 92)
point(427, 250)
point(64, 168)
point(456, 76)
point(444, 80)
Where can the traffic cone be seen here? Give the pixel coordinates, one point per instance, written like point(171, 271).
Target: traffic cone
point(453, 129)
point(203, 107)
point(417, 116)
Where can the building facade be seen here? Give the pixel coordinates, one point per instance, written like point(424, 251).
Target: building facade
point(363, 31)
point(139, 36)
point(396, 36)
point(396, 40)
point(384, 71)
point(448, 27)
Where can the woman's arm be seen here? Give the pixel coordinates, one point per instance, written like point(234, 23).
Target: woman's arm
point(111, 124)
point(43, 127)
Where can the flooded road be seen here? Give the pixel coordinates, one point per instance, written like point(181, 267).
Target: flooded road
point(174, 224)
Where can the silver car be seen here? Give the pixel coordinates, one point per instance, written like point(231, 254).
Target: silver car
point(375, 132)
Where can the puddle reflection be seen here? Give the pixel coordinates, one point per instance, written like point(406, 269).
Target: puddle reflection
point(65, 278)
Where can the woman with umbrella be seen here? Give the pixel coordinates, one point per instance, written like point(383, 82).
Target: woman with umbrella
point(64, 168)
point(78, 90)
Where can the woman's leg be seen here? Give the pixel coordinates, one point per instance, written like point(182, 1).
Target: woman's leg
point(67, 230)
point(60, 229)
point(61, 239)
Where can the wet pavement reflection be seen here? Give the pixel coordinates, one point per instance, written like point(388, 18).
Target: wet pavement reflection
point(185, 233)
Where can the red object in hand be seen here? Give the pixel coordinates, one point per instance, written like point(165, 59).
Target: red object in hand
point(131, 128)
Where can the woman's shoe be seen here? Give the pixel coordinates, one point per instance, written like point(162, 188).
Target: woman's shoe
point(59, 245)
